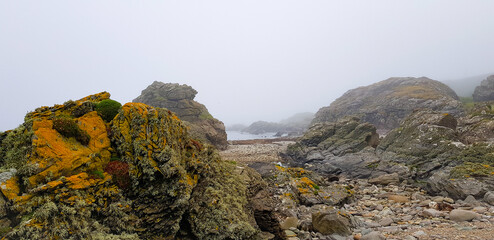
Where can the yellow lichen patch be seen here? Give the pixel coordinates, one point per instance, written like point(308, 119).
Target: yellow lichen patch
point(140, 108)
point(53, 184)
point(191, 180)
point(10, 188)
point(95, 97)
point(58, 156)
point(294, 172)
point(419, 92)
point(82, 181)
point(79, 181)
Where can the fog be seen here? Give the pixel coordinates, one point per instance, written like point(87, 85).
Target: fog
point(249, 60)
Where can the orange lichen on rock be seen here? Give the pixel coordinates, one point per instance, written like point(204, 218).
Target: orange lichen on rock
point(82, 181)
point(58, 156)
point(10, 188)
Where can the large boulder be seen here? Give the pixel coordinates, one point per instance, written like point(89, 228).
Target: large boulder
point(180, 100)
point(484, 92)
point(67, 173)
point(386, 103)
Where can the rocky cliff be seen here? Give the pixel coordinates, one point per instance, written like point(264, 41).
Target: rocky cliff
point(180, 100)
point(386, 103)
point(484, 92)
point(93, 169)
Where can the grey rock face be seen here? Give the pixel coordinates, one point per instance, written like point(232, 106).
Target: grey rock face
point(386, 103)
point(180, 100)
point(484, 92)
point(346, 146)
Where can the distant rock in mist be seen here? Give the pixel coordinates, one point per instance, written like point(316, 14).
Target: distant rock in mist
point(294, 125)
point(465, 87)
point(236, 127)
point(484, 92)
point(385, 104)
point(180, 100)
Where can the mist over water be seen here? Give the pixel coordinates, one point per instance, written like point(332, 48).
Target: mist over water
point(249, 61)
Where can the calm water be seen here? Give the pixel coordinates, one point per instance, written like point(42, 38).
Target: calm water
point(236, 135)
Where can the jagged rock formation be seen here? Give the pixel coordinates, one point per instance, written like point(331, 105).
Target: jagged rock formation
point(68, 174)
point(484, 92)
point(386, 103)
point(180, 100)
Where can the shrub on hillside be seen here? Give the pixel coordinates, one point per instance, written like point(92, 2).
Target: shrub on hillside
point(108, 109)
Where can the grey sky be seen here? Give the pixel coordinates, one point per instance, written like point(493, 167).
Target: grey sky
point(249, 60)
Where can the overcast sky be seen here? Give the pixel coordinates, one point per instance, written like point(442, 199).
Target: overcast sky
point(249, 60)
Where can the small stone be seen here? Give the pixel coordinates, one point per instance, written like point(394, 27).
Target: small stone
point(431, 213)
point(425, 203)
point(489, 197)
point(438, 199)
point(386, 212)
point(331, 222)
point(399, 198)
point(449, 200)
point(460, 215)
point(289, 222)
point(379, 207)
point(419, 234)
point(390, 229)
point(410, 238)
point(386, 179)
point(470, 200)
point(289, 233)
point(480, 210)
point(373, 236)
point(372, 224)
point(418, 196)
point(266, 236)
point(303, 235)
point(386, 221)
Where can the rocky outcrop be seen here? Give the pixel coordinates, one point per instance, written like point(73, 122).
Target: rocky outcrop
point(138, 176)
point(484, 92)
point(431, 148)
point(343, 147)
point(386, 103)
point(180, 100)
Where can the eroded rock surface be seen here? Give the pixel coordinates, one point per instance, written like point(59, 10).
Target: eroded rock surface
point(180, 100)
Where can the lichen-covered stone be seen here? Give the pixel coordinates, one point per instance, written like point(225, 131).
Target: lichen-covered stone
point(139, 176)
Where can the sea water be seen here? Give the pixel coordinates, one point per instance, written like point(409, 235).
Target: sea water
point(237, 135)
